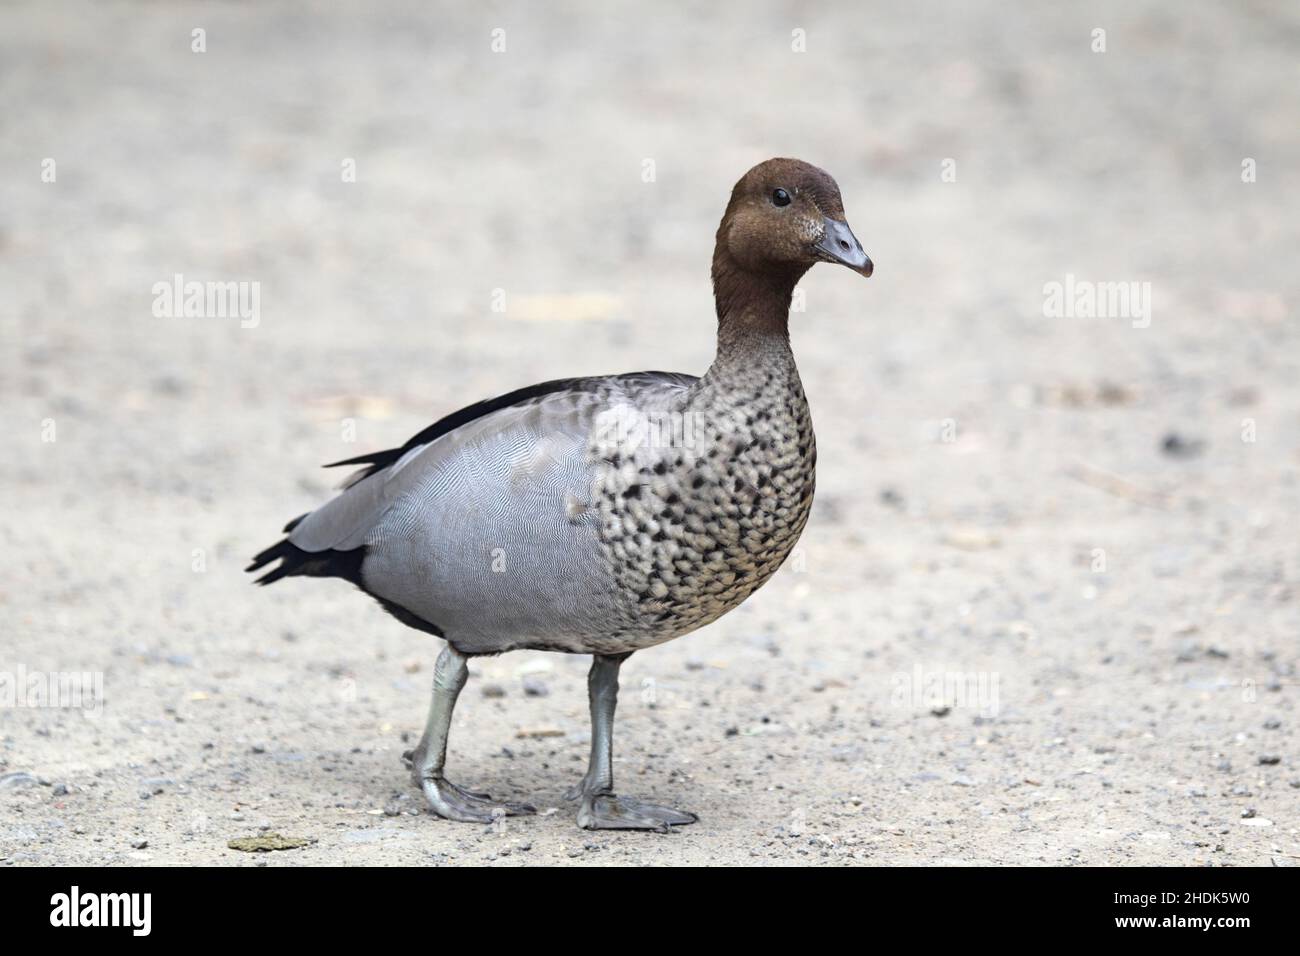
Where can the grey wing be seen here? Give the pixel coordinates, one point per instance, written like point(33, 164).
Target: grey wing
point(489, 532)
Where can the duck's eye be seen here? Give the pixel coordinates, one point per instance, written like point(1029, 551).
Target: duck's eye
point(780, 197)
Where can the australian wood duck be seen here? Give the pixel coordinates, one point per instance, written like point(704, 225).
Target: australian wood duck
point(598, 515)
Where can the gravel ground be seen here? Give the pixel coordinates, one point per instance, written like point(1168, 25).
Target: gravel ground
point(1046, 607)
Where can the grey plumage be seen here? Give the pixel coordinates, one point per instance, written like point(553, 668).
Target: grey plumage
point(487, 532)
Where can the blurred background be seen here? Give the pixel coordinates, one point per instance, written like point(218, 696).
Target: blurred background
point(1045, 609)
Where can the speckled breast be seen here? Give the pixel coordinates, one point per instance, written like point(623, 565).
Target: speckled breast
point(699, 509)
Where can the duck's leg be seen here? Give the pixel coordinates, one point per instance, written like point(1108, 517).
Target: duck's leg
point(600, 809)
point(429, 756)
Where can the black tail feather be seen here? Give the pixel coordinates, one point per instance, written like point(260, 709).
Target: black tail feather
point(294, 561)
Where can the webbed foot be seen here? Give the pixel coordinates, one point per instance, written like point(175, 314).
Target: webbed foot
point(468, 806)
point(605, 811)
point(453, 802)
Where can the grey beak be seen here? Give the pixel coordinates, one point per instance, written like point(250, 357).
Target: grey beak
point(839, 244)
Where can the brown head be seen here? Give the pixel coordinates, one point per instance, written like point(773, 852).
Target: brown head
point(784, 216)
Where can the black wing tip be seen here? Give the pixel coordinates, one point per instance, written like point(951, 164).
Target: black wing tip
point(377, 461)
point(368, 459)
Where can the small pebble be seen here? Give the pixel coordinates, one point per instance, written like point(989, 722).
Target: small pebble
point(1176, 446)
point(890, 497)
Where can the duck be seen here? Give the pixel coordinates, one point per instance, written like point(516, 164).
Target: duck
point(600, 515)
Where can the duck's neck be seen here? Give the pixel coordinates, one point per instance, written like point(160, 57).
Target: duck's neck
point(753, 325)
